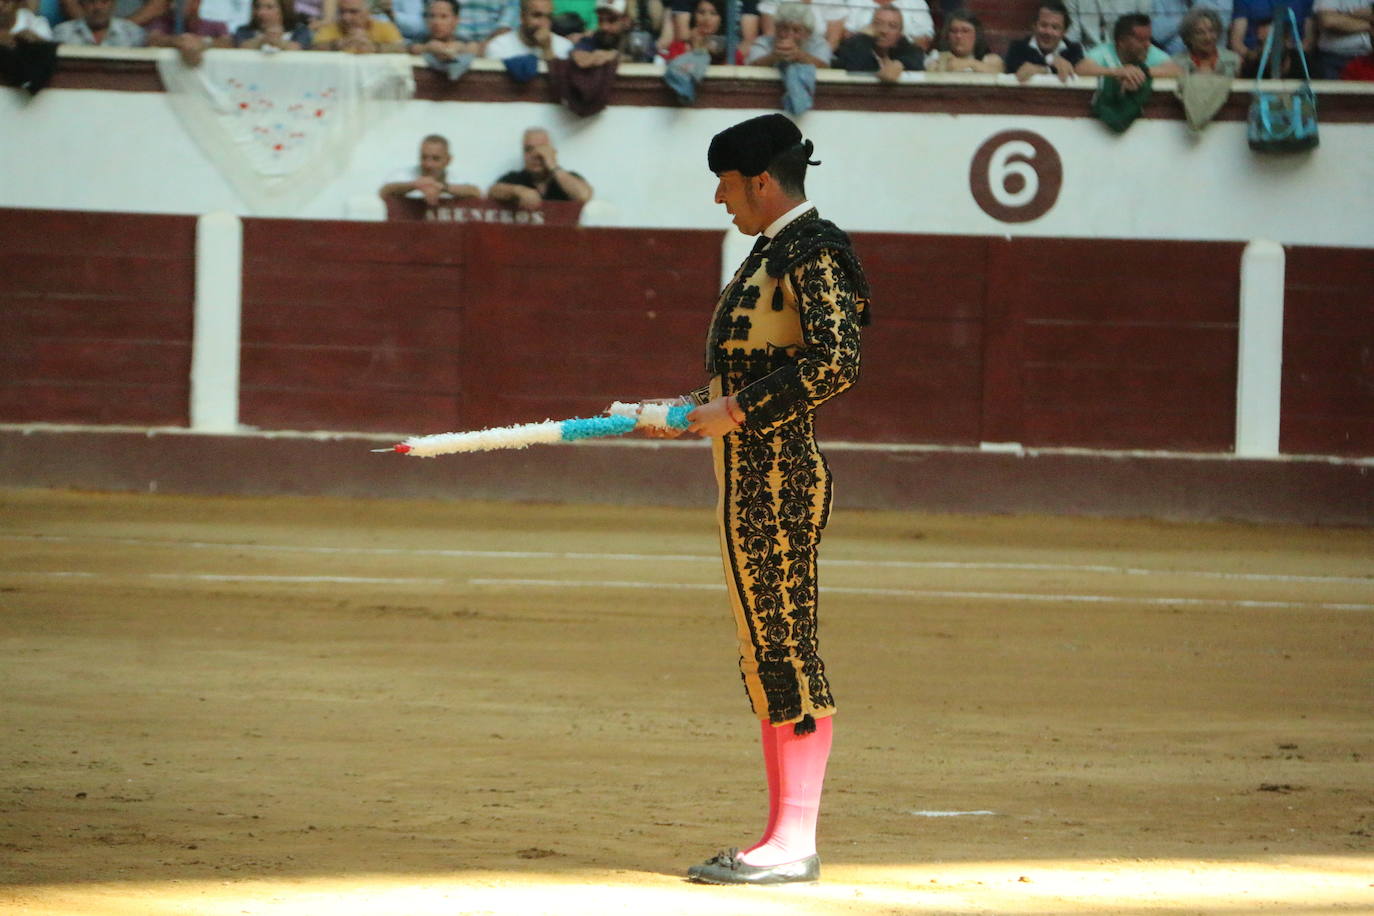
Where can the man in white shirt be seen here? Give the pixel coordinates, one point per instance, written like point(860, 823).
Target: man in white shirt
point(98, 26)
point(429, 179)
point(1345, 34)
point(535, 35)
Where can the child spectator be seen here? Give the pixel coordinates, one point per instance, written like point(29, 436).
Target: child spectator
point(273, 25)
point(963, 49)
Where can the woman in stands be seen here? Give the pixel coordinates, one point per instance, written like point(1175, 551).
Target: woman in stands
point(274, 25)
point(706, 33)
point(963, 49)
point(1201, 31)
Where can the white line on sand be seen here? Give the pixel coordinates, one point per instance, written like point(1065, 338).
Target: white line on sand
point(934, 593)
point(693, 558)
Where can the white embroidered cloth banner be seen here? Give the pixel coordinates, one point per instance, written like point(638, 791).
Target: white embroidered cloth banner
point(282, 126)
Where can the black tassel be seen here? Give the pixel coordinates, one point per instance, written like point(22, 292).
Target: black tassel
point(806, 726)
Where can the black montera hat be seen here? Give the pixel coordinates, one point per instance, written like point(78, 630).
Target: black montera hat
point(750, 145)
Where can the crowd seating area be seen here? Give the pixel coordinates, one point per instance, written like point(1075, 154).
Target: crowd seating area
point(840, 35)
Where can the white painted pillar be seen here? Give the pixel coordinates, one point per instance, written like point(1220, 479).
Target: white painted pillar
point(215, 344)
point(1259, 375)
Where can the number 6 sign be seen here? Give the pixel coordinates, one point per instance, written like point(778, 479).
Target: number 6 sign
point(1015, 176)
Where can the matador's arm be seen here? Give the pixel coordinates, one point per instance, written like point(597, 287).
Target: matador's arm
point(828, 363)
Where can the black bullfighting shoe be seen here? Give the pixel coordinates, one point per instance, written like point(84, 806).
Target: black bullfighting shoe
point(726, 867)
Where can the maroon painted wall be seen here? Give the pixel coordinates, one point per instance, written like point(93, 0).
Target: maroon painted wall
point(1328, 352)
point(95, 317)
point(421, 327)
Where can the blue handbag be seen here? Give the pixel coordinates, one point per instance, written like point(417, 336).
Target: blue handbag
point(1283, 122)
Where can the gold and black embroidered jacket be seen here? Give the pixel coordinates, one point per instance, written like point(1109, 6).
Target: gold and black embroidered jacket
point(784, 339)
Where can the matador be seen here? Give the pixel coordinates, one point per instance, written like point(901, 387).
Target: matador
point(784, 339)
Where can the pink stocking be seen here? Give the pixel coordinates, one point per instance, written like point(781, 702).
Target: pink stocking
point(768, 738)
point(800, 767)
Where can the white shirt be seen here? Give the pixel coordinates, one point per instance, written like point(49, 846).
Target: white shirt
point(787, 218)
point(27, 21)
point(1351, 44)
point(824, 12)
point(509, 44)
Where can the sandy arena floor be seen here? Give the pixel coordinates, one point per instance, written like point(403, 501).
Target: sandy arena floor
point(219, 707)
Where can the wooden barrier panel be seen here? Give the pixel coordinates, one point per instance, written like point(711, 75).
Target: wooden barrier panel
point(95, 317)
point(1328, 352)
point(422, 327)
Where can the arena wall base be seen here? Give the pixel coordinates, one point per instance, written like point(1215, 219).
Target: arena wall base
point(1310, 491)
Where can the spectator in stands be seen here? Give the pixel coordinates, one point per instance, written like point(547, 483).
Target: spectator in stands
point(28, 55)
point(689, 60)
point(441, 41)
point(317, 13)
point(190, 35)
point(1130, 58)
point(483, 20)
point(1166, 21)
point(679, 25)
point(792, 39)
point(1344, 35)
point(796, 50)
point(1092, 21)
point(1045, 49)
point(273, 25)
point(887, 51)
point(535, 36)
point(705, 34)
point(917, 25)
point(828, 19)
point(1250, 21)
point(429, 180)
point(963, 49)
point(139, 12)
point(99, 26)
point(407, 15)
point(541, 179)
point(21, 25)
point(610, 41)
point(356, 32)
point(1201, 30)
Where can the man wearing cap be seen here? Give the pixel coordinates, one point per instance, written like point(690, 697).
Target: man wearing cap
point(784, 339)
point(610, 39)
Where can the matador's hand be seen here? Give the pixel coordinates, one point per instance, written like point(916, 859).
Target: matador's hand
point(715, 418)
